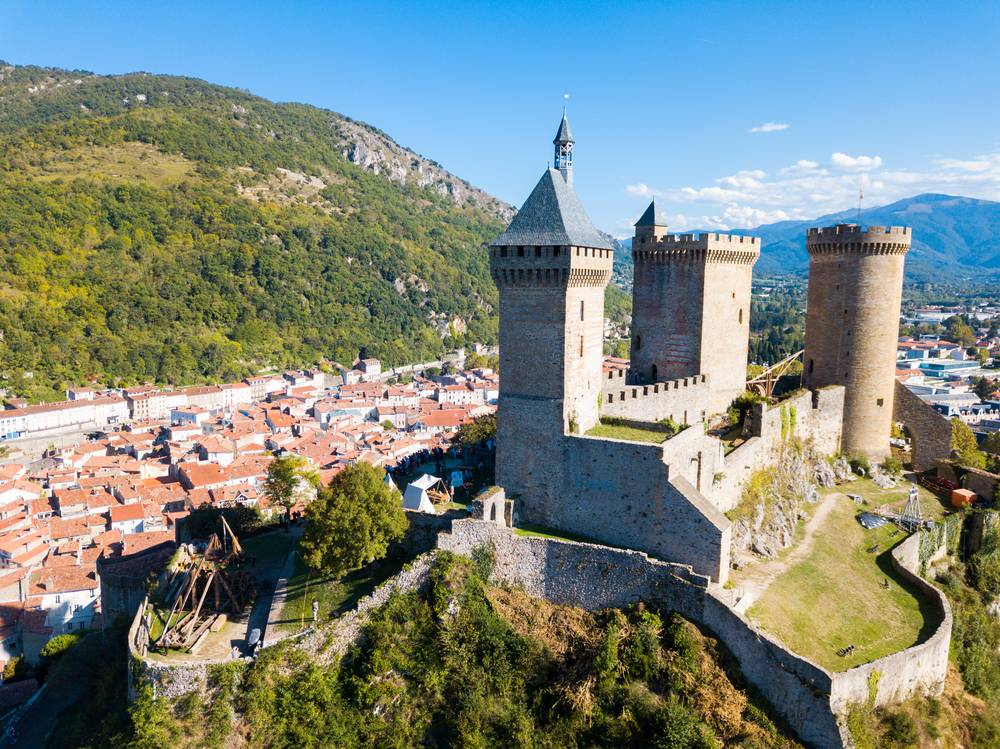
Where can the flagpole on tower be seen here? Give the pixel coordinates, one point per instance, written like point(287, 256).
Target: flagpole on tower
point(861, 196)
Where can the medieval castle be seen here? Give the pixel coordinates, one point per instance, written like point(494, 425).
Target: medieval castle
point(690, 337)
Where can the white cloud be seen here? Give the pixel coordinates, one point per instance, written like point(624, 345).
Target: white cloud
point(770, 127)
point(745, 179)
point(855, 163)
point(640, 190)
point(972, 165)
point(802, 166)
point(806, 190)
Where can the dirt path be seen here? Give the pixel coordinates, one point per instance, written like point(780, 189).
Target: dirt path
point(761, 574)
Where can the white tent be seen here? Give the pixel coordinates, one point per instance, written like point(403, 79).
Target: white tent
point(391, 484)
point(416, 497)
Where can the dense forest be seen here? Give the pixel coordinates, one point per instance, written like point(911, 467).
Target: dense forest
point(163, 229)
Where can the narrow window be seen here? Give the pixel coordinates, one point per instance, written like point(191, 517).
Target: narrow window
point(812, 365)
point(581, 309)
point(741, 315)
point(654, 373)
point(520, 252)
point(880, 402)
point(555, 251)
point(538, 252)
point(638, 342)
point(581, 345)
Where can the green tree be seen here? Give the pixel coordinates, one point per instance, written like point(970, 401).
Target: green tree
point(964, 446)
point(290, 480)
point(352, 521)
point(480, 428)
point(983, 387)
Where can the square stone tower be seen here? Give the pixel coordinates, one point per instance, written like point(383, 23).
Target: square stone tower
point(691, 307)
point(852, 326)
point(551, 267)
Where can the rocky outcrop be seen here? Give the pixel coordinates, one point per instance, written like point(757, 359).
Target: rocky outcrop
point(373, 150)
point(777, 502)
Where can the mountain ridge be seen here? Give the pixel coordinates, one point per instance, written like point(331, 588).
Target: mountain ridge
point(954, 237)
point(165, 229)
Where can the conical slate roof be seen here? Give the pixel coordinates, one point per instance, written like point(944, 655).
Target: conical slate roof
point(563, 135)
point(552, 215)
point(652, 217)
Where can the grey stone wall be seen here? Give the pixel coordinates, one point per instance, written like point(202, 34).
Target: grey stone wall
point(920, 669)
point(930, 431)
point(812, 416)
point(636, 495)
point(685, 400)
point(810, 698)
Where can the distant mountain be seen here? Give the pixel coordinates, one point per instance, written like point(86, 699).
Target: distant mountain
point(953, 237)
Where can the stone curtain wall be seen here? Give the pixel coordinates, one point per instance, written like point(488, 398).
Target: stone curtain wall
point(173, 679)
point(811, 416)
point(919, 669)
point(931, 432)
point(625, 494)
point(685, 400)
point(810, 698)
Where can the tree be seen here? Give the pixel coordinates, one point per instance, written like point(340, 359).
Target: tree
point(964, 446)
point(352, 521)
point(480, 428)
point(290, 480)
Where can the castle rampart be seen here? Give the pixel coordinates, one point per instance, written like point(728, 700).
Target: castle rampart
point(813, 700)
point(684, 400)
point(852, 325)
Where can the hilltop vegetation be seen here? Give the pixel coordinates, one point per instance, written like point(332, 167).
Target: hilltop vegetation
point(162, 228)
point(466, 664)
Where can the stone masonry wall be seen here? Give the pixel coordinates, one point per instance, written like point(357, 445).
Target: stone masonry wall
point(810, 698)
point(931, 432)
point(684, 400)
point(919, 669)
point(852, 322)
point(625, 494)
point(817, 417)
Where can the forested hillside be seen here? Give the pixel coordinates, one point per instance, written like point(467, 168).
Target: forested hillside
point(166, 229)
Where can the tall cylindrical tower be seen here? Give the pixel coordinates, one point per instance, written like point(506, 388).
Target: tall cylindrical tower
point(852, 325)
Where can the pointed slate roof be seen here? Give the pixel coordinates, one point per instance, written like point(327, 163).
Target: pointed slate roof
point(552, 215)
point(563, 135)
point(652, 217)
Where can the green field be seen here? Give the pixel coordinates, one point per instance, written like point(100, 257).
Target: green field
point(835, 595)
point(335, 596)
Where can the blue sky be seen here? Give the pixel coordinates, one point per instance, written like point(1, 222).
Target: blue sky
point(668, 99)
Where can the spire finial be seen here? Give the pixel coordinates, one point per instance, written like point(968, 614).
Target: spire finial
point(565, 102)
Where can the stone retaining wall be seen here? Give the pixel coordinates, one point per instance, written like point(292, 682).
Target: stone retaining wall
point(175, 679)
point(809, 697)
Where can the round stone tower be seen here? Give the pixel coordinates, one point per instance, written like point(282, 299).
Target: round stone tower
point(852, 326)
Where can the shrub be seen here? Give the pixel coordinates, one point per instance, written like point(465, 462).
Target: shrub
point(892, 465)
point(860, 465)
point(902, 731)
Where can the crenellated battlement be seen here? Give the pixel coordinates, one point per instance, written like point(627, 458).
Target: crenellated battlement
point(853, 238)
point(704, 247)
point(550, 266)
point(685, 400)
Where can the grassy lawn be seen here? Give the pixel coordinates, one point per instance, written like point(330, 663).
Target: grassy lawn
point(834, 596)
point(930, 503)
point(334, 596)
point(654, 433)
